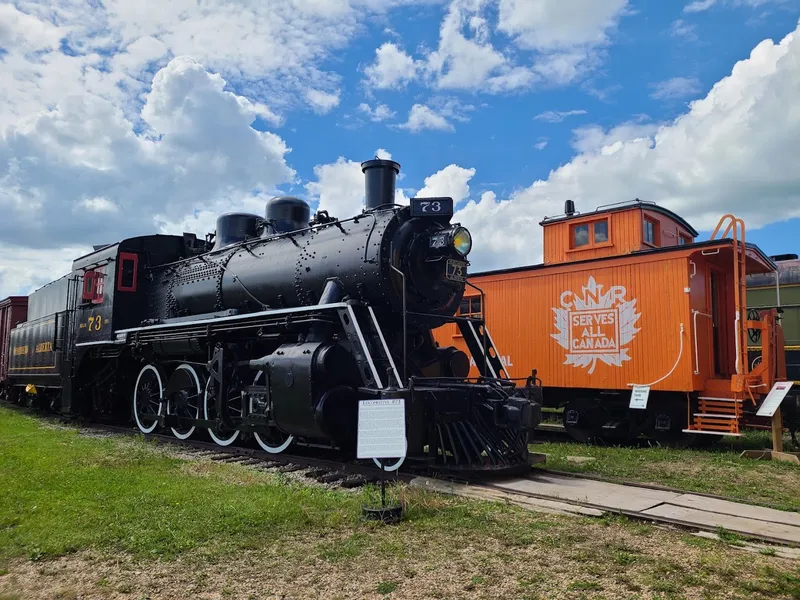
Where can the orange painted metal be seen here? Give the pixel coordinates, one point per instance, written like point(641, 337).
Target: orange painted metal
point(625, 234)
point(671, 318)
point(601, 324)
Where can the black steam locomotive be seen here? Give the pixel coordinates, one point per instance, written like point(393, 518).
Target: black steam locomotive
point(275, 328)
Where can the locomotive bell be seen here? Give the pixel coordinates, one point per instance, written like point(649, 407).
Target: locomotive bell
point(379, 181)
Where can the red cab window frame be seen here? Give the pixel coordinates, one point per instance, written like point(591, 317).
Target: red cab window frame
point(87, 293)
point(134, 258)
point(93, 286)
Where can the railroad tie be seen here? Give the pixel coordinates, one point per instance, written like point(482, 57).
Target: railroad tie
point(290, 468)
point(315, 473)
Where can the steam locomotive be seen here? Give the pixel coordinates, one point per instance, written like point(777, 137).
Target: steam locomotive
point(273, 329)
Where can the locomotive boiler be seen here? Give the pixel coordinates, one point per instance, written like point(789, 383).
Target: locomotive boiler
point(275, 327)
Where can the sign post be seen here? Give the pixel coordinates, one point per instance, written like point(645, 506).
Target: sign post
point(771, 407)
point(382, 435)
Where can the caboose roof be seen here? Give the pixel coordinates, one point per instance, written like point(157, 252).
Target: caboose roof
point(754, 253)
point(622, 206)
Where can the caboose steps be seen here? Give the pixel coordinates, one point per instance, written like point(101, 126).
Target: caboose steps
point(712, 415)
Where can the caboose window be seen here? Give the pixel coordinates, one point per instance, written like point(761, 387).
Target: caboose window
point(650, 232)
point(589, 235)
point(470, 307)
point(601, 232)
point(580, 236)
point(128, 263)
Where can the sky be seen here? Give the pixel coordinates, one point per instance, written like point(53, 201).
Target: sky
point(126, 118)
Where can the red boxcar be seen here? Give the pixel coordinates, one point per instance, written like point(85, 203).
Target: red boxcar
point(13, 310)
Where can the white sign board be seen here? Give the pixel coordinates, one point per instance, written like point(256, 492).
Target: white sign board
point(639, 396)
point(774, 398)
point(382, 428)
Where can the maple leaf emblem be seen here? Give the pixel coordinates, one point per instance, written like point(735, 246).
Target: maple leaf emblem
point(595, 326)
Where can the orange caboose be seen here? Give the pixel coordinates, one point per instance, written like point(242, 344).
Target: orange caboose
point(627, 298)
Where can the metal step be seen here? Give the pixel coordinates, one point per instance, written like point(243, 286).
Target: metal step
point(712, 432)
point(714, 416)
point(733, 400)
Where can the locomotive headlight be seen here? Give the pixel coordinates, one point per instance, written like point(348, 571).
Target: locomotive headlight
point(462, 241)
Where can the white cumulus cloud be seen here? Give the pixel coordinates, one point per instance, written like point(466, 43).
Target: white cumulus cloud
point(380, 113)
point(735, 150)
point(393, 67)
point(422, 117)
point(81, 174)
point(452, 181)
point(322, 102)
point(552, 41)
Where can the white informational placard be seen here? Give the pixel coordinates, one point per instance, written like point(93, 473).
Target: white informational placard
point(382, 428)
point(774, 398)
point(639, 396)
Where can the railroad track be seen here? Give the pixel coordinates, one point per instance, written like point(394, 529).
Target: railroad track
point(541, 490)
point(336, 473)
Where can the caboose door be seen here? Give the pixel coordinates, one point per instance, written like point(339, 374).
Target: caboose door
point(722, 315)
point(714, 285)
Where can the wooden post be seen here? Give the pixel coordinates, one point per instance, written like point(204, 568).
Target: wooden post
point(777, 431)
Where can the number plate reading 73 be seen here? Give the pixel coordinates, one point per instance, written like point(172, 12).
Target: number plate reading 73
point(431, 207)
point(456, 270)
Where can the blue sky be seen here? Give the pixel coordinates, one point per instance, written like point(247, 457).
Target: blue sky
point(129, 118)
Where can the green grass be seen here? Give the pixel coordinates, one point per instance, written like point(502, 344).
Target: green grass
point(717, 470)
point(63, 494)
point(60, 492)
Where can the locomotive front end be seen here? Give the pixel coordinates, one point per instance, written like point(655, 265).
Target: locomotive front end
point(455, 424)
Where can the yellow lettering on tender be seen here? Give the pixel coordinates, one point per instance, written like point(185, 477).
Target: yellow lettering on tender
point(44, 347)
point(20, 350)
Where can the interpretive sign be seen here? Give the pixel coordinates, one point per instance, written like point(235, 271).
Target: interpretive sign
point(382, 428)
point(639, 396)
point(774, 398)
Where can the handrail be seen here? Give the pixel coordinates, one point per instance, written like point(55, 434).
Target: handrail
point(737, 227)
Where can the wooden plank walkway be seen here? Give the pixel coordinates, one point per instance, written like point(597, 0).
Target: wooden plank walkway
point(574, 495)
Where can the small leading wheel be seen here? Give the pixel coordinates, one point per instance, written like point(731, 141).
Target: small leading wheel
point(148, 397)
point(274, 441)
point(184, 393)
point(223, 435)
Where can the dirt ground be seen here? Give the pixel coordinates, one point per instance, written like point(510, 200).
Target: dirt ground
point(594, 561)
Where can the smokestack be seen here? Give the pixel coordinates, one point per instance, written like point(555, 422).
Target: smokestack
point(379, 181)
point(569, 208)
